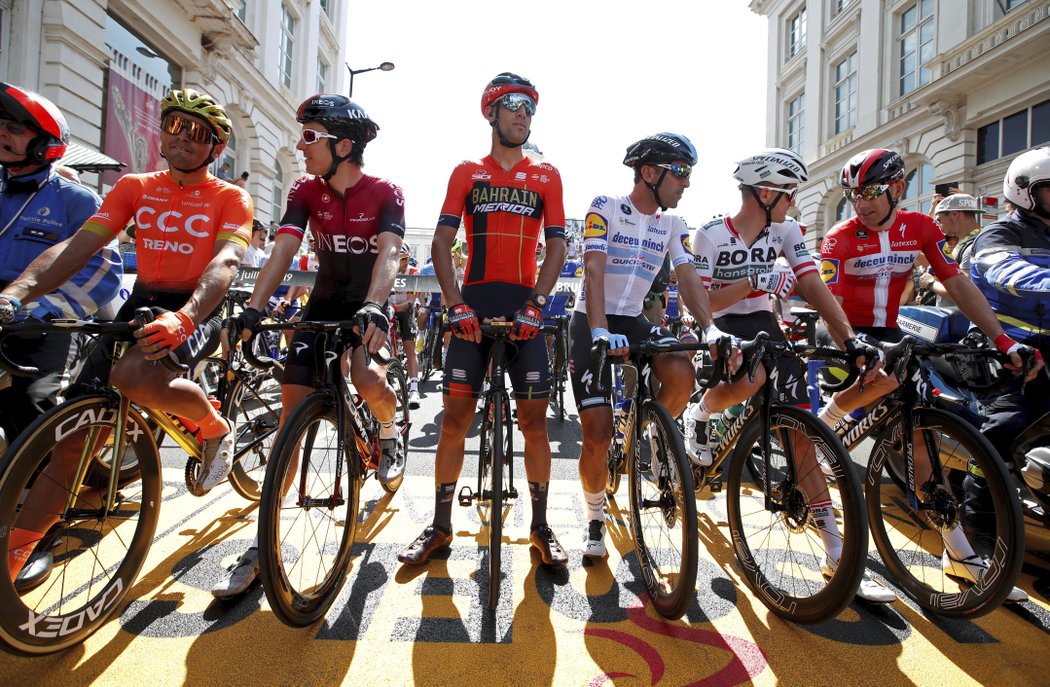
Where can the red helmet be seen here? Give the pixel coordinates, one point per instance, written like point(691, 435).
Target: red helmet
point(506, 83)
point(41, 115)
point(877, 166)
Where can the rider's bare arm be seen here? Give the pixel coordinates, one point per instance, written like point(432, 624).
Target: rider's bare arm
point(594, 287)
point(385, 268)
point(441, 251)
point(552, 265)
point(691, 291)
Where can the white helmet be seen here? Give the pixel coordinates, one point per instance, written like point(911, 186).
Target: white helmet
point(1026, 171)
point(772, 166)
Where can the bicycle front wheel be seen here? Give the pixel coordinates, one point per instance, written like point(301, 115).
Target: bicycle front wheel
point(490, 472)
point(255, 409)
point(308, 514)
point(97, 551)
point(663, 512)
point(801, 538)
point(972, 498)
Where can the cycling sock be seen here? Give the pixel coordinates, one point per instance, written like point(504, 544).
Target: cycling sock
point(957, 544)
point(387, 430)
point(213, 425)
point(595, 505)
point(20, 546)
point(701, 413)
point(832, 415)
point(538, 492)
point(443, 506)
point(823, 518)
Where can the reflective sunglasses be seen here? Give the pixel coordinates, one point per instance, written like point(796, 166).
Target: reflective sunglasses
point(789, 192)
point(514, 101)
point(679, 171)
point(866, 192)
point(195, 131)
point(311, 136)
point(12, 127)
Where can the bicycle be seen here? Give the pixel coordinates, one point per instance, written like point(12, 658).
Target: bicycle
point(104, 528)
point(557, 361)
point(324, 452)
point(495, 483)
point(430, 355)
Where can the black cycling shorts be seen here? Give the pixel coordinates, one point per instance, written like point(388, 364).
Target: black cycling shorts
point(789, 373)
point(300, 367)
point(405, 321)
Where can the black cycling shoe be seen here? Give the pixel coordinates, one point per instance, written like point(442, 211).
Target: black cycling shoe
point(551, 553)
point(36, 571)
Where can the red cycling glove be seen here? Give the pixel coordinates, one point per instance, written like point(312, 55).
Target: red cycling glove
point(463, 321)
point(527, 323)
point(168, 330)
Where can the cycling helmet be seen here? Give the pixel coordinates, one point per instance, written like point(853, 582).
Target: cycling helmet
point(40, 115)
point(773, 166)
point(405, 251)
point(342, 117)
point(1027, 172)
point(202, 105)
point(658, 148)
point(505, 83)
point(877, 166)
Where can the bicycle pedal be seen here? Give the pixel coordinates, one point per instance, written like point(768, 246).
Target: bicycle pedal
point(466, 496)
point(715, 487)
point(511, 493)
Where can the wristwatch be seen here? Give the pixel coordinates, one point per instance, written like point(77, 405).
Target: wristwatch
point(538, 298)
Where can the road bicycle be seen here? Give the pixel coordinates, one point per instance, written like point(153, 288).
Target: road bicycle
point(321, 457)
point(495, 484)
point(557, 361)
point(433, 344)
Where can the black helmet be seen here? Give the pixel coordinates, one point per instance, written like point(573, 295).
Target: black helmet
point(658, 148)
point(340, 115)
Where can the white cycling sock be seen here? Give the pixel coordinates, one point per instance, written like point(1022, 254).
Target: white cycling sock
point(595, 505)
point(822, 515)
point(701, 413)
point(957, 544)
point(832, 414)
point(387, 430)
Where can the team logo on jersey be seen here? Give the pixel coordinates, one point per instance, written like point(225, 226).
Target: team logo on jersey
point(828, 245)
point(946, 251)
point(325, 198)
point(687, 244)
point(625, 208)
point(862, 234)
point(480, 176)
point(599, 202)
point(595, 227)
point(829, 270)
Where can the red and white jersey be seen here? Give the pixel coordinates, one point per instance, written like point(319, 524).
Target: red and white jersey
point(869, 269)
point(722, 257)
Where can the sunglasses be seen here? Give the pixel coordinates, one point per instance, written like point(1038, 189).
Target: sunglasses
point(789, 192)
point(866, 192)
point(311, 136)
point(195, 131)
point(514, 102)
point(679, 171)
point(12, 127)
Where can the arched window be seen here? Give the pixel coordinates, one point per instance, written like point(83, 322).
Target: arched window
point(278, 194)
point(844, 210)
point(228, 157)
point(918, 193)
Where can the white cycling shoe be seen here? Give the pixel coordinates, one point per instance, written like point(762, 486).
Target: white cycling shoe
point(239, 577)
point(699, 450)
point(971, 569)
point(217, 461)
point(594, 540)
point(869, 590)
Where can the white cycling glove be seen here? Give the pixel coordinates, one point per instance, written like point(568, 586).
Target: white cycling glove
point(777, 282)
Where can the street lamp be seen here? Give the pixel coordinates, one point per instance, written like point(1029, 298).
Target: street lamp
point(385, 67)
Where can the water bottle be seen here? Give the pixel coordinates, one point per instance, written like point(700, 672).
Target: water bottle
point(623, 410)
point(725, 421)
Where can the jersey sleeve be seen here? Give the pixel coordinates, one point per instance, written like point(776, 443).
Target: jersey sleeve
point(596, 227)
point(235, 220)
point(935, 248)
point(703, 257)
point(297, 212)
point(998, 258)
point(455, 197)
point(832, 260)
point(117, 209)
point(553, 205)
point(392, 210)
point(796, 253)
point(680, 250)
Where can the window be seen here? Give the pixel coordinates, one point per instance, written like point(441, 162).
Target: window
point(242, 9)
point(278, 193)
point(918, 192)
point(1013, 133)
point(797, 33)
point(287, 44)
point(326, 7)
point(846, 94)
point(1011, 4)
point(844, 210)
point(796, 122)
point(322, 76)
point(916, 45)
point(839, 5)
point(228, 157)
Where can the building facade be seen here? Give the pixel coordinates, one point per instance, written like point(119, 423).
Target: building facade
point(107, 63)
point(958, 87)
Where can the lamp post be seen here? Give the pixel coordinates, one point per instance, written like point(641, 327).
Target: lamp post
point(385, 67)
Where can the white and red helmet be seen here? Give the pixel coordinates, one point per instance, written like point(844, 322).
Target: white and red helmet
point(42, 116)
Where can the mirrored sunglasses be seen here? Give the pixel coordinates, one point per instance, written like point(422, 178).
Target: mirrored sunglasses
point(866, 192)
point(311, 136)
point(12, 127)
point(514, 101)
point(679, 171)
point(195, 131)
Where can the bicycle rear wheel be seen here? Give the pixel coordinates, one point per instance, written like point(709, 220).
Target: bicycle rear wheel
point(802, 553)
point(306, 534)
point(490, 478)
point(663, 512)
point(395, 377)
point(974, 491)
point(255, 408)
point(97, 552)
point(426, 357)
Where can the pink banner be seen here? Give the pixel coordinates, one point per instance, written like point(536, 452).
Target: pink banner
point(132, 132)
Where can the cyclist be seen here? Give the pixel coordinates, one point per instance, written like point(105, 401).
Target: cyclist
point(357, 262)
point(737, 257)
point(506, 198)
point(403, 304)
point(1011, 267)
point(626, 240)
point(192, 230)
point(957, 216)
point(866, 261)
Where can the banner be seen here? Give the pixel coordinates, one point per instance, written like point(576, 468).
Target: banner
point(403, 282)
point(132, 128)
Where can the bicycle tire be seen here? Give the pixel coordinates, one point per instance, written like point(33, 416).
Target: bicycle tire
point(255, 410)
point(779, 549)
point(302, 567)
point(616, 461)
point(913, 550)
point(494, 492)
point(426, 362)
point(663, 512)
point(395, 377)
point(97, 554)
